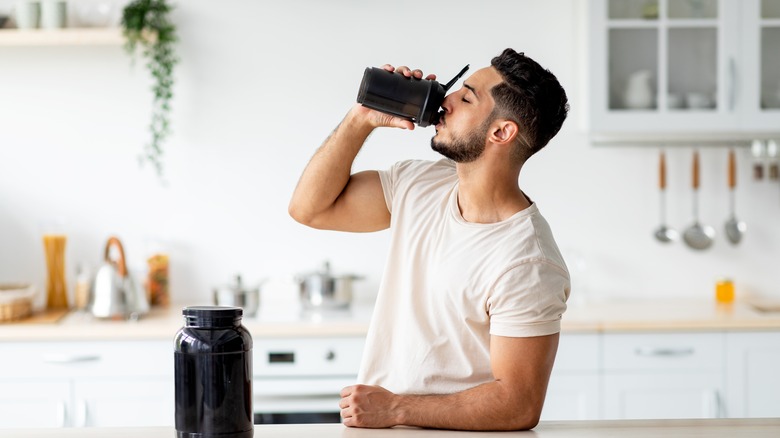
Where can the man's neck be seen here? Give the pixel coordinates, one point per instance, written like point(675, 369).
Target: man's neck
point(489, 194)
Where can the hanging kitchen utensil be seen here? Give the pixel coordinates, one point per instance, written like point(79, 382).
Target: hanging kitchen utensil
point(758, 150)
point(734, 229)
point(698, 236)
point(113, 293)
point(663, 233)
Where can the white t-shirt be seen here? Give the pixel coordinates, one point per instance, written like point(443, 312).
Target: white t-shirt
point(449, 284)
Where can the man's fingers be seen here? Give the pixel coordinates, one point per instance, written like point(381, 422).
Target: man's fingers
point(408, 72)
point(347, 391)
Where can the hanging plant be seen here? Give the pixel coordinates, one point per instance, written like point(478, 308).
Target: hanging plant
point(146, 23)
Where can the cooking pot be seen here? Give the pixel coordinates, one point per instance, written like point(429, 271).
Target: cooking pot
point(321, 290)
point(235, 295)
point(113, 294)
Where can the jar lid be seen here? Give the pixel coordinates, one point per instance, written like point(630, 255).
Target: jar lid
point(213, 311)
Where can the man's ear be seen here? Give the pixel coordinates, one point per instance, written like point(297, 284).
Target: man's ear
point(504, 132)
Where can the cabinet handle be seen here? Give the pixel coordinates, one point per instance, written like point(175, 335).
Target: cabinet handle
point(65, 359)
point(62, 413)
point(713, 405)
point(732, 84)
point(664, 352)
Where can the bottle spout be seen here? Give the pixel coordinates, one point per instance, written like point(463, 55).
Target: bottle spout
point(455, 79)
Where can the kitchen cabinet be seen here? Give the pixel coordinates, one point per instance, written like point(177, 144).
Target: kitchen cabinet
point(573, 392)
point(661, 375)
point(752, 377)
point(77, 384)
point(675, 70)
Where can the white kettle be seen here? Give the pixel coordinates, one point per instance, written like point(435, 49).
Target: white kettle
point(113, 294)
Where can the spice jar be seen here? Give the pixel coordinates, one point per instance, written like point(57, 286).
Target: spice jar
point(157, 279)
point(213, 374)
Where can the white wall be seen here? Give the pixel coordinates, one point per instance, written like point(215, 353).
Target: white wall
point(261, 84)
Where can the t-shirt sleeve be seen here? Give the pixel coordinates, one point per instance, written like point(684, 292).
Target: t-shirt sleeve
point(391, 179)
point(388, 178)
point(529, 300)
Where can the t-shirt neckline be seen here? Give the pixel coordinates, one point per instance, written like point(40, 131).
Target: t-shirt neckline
point(455, 212)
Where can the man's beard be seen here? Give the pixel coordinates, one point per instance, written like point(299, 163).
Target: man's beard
point(463, 149)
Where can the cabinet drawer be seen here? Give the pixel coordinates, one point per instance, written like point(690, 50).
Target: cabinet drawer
point(307, 356)
point(86, 359)
point(678, 351)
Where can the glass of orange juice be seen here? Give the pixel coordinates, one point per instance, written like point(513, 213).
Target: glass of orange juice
point(724, 291)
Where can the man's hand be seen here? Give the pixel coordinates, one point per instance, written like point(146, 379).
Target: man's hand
point(378, 119)
point(368, 406)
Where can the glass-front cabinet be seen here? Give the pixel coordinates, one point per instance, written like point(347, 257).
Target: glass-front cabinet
point(677, 68)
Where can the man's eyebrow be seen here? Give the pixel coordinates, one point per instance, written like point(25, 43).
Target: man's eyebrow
point(470, 88)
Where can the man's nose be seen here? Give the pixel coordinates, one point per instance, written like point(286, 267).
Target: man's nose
point(446, 103)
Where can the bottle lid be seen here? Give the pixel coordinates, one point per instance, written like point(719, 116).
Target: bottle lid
point(212, 316)
point(213, 311)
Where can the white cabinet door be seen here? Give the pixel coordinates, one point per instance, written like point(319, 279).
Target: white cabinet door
point(753, 374)
point(34, 404)
point(664, 375)
point(118, 403)
point(573, 392)
point(654, 65)
point(664, 395)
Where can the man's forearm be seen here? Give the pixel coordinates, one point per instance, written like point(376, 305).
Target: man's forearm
point(489, 406)
point(329, 170)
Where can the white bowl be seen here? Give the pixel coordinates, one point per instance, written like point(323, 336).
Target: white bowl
point(699, 100)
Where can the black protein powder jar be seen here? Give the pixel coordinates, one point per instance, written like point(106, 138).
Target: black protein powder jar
point(213, 374)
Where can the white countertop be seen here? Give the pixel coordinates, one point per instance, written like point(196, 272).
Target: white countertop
point(743, 428)
point(613, 316)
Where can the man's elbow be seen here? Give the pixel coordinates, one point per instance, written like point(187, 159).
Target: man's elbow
point(300, 215)
point(516, 422)
point(523, 419)
point(526, 422)
point(307, 216)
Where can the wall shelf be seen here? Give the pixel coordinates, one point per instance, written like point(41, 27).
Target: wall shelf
point(61, 37)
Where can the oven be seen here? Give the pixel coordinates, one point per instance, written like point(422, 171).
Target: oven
point(298, 380)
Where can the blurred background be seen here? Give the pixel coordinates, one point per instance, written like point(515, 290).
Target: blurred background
point(261, 84)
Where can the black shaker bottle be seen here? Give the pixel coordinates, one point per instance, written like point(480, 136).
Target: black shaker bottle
point(213, 374)
point(413, 99)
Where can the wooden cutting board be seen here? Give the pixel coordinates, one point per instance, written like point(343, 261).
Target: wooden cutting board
point(48, 316)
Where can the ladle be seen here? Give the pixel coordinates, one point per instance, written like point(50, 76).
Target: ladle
point(698, 236)
point(663, 233)
point(734, 229)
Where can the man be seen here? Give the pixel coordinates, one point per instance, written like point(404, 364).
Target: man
point(466, 323)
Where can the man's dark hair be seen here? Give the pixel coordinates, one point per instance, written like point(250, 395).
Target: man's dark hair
point(532, 97)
